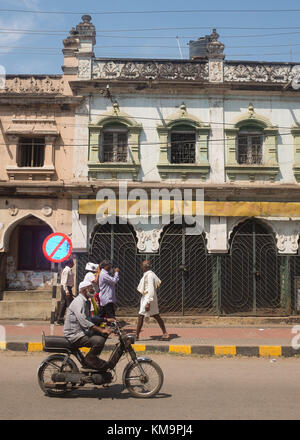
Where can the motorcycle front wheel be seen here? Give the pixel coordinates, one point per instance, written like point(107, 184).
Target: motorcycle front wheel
point(54, 364)
point(143, 379)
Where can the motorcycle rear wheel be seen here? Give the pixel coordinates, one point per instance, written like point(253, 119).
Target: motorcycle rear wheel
point(54, 365)
point(140, 387)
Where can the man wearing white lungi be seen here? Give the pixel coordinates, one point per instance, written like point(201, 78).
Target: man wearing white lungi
point(149, 305)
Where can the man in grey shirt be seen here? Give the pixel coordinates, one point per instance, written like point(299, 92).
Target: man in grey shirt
point(81, 332)
point(107, 286)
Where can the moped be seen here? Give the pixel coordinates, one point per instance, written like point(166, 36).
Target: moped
point(60, 374)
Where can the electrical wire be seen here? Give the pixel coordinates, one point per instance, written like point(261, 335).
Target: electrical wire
point(149, 46)
point(170, 11)
point(56, 32)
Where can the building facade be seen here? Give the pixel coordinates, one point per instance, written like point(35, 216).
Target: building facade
point(227, 129)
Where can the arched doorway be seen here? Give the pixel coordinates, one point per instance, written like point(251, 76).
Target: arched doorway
point(26, 266)
point(183, 265)
point(185, 269)
point(251, 273)
point(118, 244)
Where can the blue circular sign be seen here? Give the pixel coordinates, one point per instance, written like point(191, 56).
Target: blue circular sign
point(57, 247)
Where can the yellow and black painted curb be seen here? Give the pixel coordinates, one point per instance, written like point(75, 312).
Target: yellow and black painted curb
point(205, 350)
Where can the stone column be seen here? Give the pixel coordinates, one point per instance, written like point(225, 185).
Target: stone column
point(79, 229)
point(216, 145)
point(49, 151)
point(217, 236)
point(87, 39)
point(163, 134)
point(296, 135)
point(12, 158)
point(94, 135)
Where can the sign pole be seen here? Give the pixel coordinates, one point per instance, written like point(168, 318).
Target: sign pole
point(54, 269)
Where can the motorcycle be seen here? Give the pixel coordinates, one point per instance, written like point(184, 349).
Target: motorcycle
point(59, 373)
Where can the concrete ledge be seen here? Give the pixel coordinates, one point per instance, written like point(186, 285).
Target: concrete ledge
point(204, 350)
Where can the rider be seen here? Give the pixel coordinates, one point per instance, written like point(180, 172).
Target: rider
point(81, 332)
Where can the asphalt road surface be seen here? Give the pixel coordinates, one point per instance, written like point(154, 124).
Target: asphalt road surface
point(194, 388)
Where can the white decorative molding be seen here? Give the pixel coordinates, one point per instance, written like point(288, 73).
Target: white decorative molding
point(84, 68)
point(164, 70)
point(259, 73)
point(13, 210)
point(287, 244)
point(216, 71)
point(145, 236)
point(47, 211)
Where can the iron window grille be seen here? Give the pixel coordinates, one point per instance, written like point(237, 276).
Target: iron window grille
point(183, 147)
point(31, 152)
point(250, 151)
point(115, 146)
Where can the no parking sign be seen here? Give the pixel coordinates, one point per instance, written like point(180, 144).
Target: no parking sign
point(57, 247)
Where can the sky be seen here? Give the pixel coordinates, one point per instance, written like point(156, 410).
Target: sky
point(32, 42)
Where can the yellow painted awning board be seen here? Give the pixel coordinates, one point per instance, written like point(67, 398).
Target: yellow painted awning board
point(209, 208)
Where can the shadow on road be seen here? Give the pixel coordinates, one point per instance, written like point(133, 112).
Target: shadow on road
point(113, 392)
point(160, 338)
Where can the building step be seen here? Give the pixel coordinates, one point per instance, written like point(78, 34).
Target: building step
point(26, 309)
point(28, 295)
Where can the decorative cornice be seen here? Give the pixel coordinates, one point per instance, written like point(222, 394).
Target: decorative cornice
point(149, 70)
point(33, 85)
point(258, 73)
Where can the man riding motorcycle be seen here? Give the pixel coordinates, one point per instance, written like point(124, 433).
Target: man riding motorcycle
point(81, 331)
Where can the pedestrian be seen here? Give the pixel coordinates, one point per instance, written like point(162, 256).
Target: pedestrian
point(91, 276)
point(107, 286)
point(67, 284)
point(149, 305)
point(81, 332)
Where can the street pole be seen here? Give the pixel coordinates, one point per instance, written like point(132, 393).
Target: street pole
point(54, 270)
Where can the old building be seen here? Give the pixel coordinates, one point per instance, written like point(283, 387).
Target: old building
point(230, 128)
point(37, 137)
point(136, 126)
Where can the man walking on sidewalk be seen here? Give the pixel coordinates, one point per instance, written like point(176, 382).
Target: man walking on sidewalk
point(107, 286)
point(67, 283)
point(149, 304)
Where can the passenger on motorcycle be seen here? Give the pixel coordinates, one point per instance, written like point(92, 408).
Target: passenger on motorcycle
point(81, 332)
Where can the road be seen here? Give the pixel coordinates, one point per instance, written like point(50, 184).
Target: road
point(194, 388)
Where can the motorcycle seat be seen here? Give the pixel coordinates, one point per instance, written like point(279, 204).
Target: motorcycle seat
point(57, 343)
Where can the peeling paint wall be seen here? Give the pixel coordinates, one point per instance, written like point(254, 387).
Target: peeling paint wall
point(25, 279)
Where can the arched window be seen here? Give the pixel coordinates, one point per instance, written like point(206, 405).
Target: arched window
point(183, 144)
point(250, 146)
point(114, 146)
point(114, 142)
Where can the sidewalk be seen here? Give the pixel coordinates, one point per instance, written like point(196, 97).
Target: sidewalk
point(263, 340)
